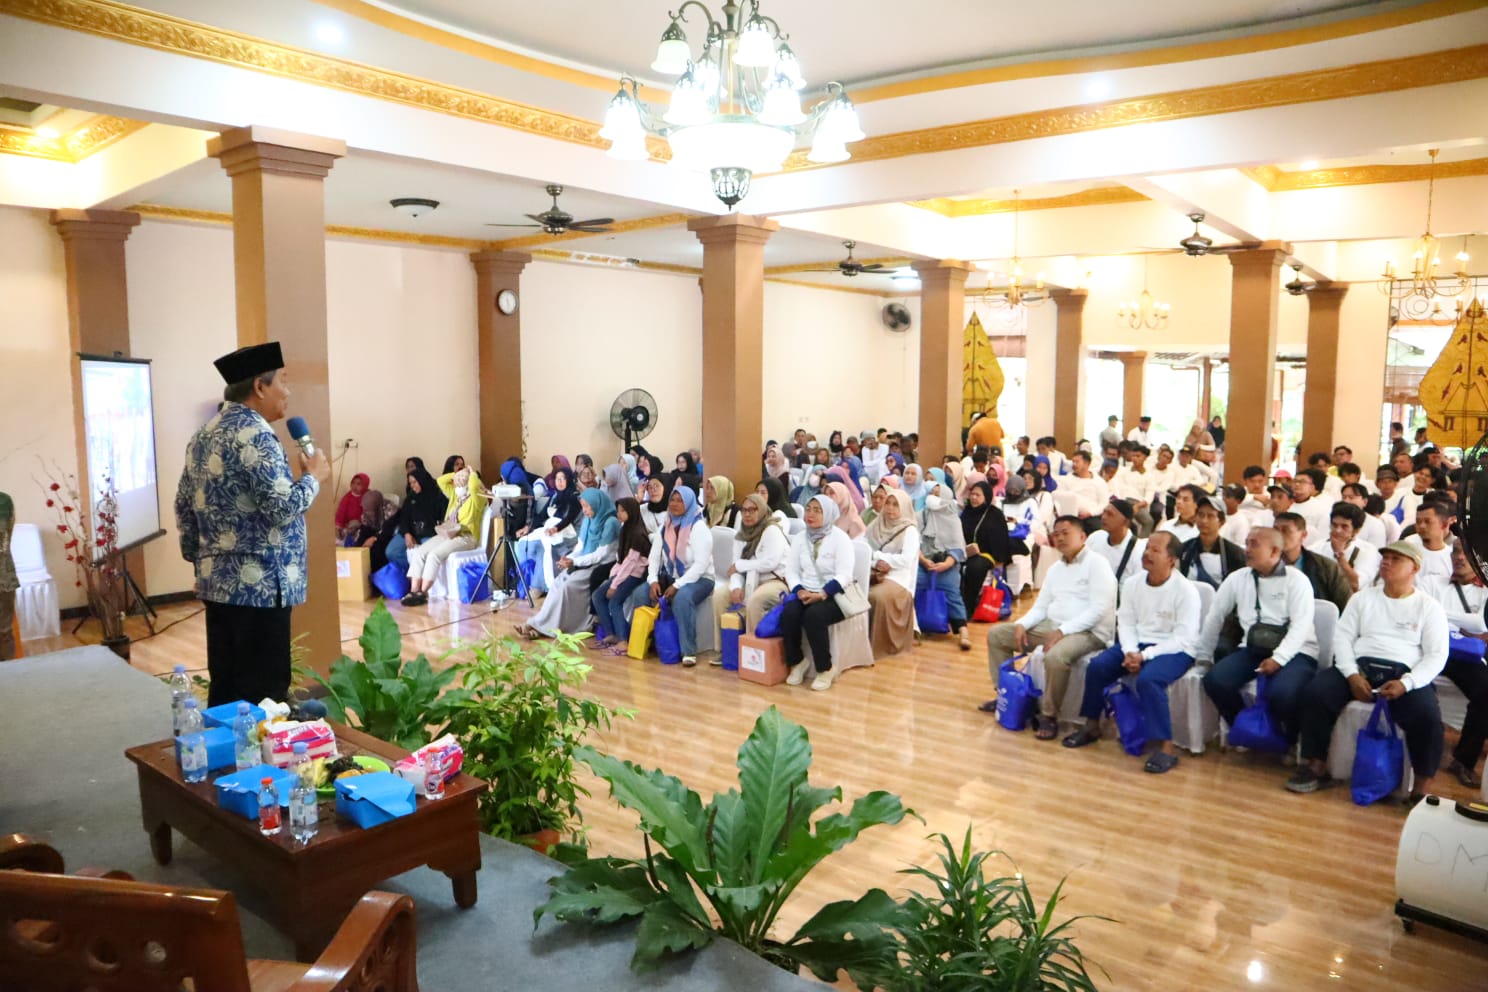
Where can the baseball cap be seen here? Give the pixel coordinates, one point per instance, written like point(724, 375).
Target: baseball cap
point(1405, 549)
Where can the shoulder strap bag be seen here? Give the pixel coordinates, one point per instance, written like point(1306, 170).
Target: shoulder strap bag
point(1264, 638)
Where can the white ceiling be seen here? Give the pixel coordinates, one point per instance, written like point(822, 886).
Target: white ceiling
point(876, 39)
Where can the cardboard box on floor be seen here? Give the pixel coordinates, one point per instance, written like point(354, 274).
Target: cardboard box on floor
point(353, 574)
point(762, 659)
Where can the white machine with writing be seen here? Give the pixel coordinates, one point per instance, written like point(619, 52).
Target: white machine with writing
point(1441, 871)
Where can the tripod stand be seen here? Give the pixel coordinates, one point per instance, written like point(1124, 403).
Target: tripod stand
point(511, 578)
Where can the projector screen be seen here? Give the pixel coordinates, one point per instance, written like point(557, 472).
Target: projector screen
point(119, 422)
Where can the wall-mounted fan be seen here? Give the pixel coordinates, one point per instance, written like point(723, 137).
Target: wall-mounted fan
point(633, 415)
point(555, 220)
point(895, 316)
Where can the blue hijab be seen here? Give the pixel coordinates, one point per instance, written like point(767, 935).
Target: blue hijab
point(1049, 484)
point(677, 528)
point(601, 529)
point(514, 473)
point(917, 491)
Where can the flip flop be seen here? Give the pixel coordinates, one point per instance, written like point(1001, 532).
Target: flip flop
point(1161, 762)
point(1048, 729)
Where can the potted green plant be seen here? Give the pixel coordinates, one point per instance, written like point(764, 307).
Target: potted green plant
point(970, 933)
point(518, 716)
point(730, 866)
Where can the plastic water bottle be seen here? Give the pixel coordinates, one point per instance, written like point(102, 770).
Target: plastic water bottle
point(180, 688)
point(193, 747)
point(245, 739)
point(304, 815)
point(269, 818)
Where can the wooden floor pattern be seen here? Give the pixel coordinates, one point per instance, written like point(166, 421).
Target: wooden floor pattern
point(1216, 877)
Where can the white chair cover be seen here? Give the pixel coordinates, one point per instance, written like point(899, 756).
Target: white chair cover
point(37, 606)
point(851, 645)
point(1341, 747)
point(1452, 702)
point(1325, 621)
point(1019, 574)
point(1195, 720)
point(800, 513)
point(447, 582)
point(723, 560)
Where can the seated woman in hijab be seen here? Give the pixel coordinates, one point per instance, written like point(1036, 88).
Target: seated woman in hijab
point(942, 550)
point(987, 542)
point(818, 566)
point(616, 483)
point(681, 568)
point(632, 475)
point(456, 532)
point(915, 485)
point(840, 475)
point(777, 466)
point(718, 497)
point(609, 599)
point(773, 490)
point(587, 478)
point(875, 506)
point(423, 508)
point(811, 485)
point(369, 522)
point(559, 463)
point(894, 537)
point(756, 579)
point(553, 535)
point(566, 610)
point(1021, 511)
point(1044, 468)
point(349, 510)
point(848, 520)
point(654, 508)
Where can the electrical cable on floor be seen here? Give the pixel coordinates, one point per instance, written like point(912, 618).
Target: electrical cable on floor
point(161, 630)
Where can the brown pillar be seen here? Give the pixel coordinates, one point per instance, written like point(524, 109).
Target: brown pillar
point(733, 342)
point(278, 192)
point(1206, 392)
point(97, 317)
point(1069, 366)
point(1254, 300)
point(1324, 304)
point(499, 357)
point(942, 324)
point(1133, 385)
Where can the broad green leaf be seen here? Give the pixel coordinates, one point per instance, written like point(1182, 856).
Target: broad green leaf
point(670, 812)
point(353, 687)
point(805, 850)
point(773, 763)
point(730, 850)
point(664, 930)
point(679, 888)
point(596, 905)
point(381, 641)
point(852, 936)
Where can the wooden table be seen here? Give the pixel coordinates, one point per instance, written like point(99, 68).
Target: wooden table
point(311, 887)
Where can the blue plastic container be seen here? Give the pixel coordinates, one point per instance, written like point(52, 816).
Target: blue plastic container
point(221, 752)
point(224, 715)
point(238, 792)
point(374, 798)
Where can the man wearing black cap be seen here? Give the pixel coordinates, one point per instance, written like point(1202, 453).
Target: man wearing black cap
point(1142, 433)
point(241, 519)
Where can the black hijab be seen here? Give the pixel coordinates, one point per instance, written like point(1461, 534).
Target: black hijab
point(423, 510)
point(566, 500)
point(666, 479)
point(689, 463)
point(986, 527)
point(633, 533)
point(777, 499)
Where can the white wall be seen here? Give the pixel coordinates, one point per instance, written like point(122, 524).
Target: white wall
point(36, 421)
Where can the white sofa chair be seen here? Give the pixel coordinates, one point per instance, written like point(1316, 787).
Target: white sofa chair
point(37, 606)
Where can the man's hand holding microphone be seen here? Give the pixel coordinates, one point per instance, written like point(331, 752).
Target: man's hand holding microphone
point(312, 460)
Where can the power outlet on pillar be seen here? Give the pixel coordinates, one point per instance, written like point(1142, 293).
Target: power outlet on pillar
point(349, 443)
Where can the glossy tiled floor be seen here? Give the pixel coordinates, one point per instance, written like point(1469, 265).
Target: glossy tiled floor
point(1216, 877)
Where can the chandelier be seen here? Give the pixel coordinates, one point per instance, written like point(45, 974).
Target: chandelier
point(1015, 293)
point(735, 109)
point(1422, 290)
point(1144, 311)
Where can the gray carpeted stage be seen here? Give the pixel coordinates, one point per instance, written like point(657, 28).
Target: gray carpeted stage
point(65, 720)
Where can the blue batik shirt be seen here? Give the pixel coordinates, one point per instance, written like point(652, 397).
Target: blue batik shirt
point(241, 514)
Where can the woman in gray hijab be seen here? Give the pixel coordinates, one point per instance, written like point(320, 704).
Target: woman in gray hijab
point(942, 551)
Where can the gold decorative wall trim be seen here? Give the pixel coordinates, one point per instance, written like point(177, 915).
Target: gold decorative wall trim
point(1100, 196)
point(883, 294)
point(1277, 181)
point(619, 227)
point(1366, 79)
point(93, 135)
point(781, 270)
point(189, 215)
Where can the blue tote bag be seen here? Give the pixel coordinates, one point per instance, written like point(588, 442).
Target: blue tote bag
point(731, 628)
point(475, 581)
point(1378, 758)
point(932, 610)
point(1126, 713)
point(769, 625)
point(1255, 728)
point(668, 640)
point(1016, 695)
point(1006, 610)
point(391, 581)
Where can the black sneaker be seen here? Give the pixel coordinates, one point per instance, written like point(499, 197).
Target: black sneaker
point(1307, 780)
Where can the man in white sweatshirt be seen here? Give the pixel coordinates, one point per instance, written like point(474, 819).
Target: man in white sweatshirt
point(1075, 614)
point(1433, 538)
point(1464, 598)
point(1357, 560)
point(1275, 607)
point(1157, 631)
point(1391, 642)
point(1090, 490)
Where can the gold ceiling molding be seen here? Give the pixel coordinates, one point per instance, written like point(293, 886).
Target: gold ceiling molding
point(1221, 48)
point(827, 266)
point(883, 294)
point(1098, 197)
point(93, 135)
point(1365, 79)
point(1277, 181)
point(187, 214)
point(618, 227)
point(615, 262)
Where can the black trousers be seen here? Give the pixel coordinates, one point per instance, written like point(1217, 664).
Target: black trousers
point(816, 622)
point(247, 653)
point(973, 576)
point(1230, 674)
point(1472, 678)
point(1416, 713)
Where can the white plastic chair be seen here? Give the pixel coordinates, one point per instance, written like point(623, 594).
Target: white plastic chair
point(447, 582)
point(800, 510)
point(1324, 623)
point(794, 525)
point(1066, 503)
point(849, 640)
point(37, 607)
point(796, 475)
point(723, 560)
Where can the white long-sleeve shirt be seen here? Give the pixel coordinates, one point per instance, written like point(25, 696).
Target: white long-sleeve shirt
point(1091, 494)
point(768, 560)
point(902, 555)
point(1402, 505)
point(1165, 617)
point(1434, 564)
point(1373, 532)
point(1100, 543)
point(835, 560)
point(697, 556)
point(1315, 511)
point(1285, 599)
point(1139, 487)
point(1411, 630)
point(875, 460)
point(1463, 604)
point(1078, 596)
point(1363, 557)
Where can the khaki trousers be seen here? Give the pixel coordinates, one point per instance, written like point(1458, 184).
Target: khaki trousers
point(1057, 662)
point(764, 599)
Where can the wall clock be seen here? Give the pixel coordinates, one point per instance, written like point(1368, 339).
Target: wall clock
point(506, 302)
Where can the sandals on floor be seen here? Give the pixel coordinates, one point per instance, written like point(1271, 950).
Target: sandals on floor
point(1161, 762)
point(1467, 776)
point(1046, 728)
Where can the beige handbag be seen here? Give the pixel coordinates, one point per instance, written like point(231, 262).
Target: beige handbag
point(852, 601)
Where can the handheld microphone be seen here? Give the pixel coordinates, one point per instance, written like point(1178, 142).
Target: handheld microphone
point(300, 431)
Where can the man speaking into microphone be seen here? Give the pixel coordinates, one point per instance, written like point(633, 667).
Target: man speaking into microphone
point(241, 518)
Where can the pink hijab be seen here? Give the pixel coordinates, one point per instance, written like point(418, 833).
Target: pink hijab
point(849, 519)
point(840, 475)
point(892, 481)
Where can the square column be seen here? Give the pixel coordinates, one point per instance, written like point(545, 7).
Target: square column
point(942, 323)
point(499, 358)
point(733, 343)
point(278, 186)
point(1255, 296)
point(1324, 310)
point(1069, 366)
point(1133, 389)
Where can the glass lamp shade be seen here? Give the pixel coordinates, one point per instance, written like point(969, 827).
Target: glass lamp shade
point(689, 103)
point(756, 48)
point(622, 119)
point(842, 120)
point(787, 65)
point(707, 74)
point(730, 184)
point(731, 141)
point(672, 55)
point(629, 148)
point(826, 152)
point(782, 104)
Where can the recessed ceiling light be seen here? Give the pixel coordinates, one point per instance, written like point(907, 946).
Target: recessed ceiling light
point(1097, 89)
point(48, 133)
point(330, 34)
point(1309, 164)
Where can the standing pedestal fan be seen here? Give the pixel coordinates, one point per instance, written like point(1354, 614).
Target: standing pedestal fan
point(633, 415)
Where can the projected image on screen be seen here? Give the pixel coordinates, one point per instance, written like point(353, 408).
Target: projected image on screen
point(119, 421)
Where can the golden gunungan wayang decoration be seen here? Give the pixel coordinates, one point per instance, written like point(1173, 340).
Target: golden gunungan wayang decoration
point(981, 374)
point(1454, 391)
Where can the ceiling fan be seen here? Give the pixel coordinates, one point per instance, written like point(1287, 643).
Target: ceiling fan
point(1197, 245)
point(850, 266)
point(1298, 286)
point(557, 221)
